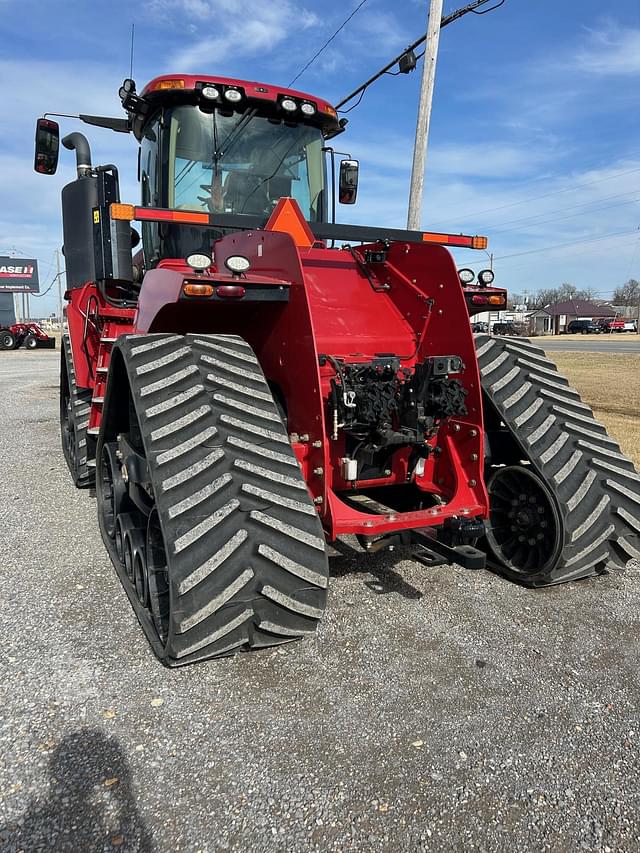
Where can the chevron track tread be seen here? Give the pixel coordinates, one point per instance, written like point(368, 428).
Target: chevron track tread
point(216, 478)
point(83, 475)
point(596, 488)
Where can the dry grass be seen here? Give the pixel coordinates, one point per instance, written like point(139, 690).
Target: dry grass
point(603, 336)
point(610, 384)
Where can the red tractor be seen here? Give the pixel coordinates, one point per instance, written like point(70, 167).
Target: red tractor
point(29, 335)
point(243, 390)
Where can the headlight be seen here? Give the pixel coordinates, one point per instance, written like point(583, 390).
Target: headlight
point(466, 276)
point(199, 262)
point(210, 93)
point(233, 95)
point(486, 276)
point(237, 263)
point(289, 105)
point(308, 109)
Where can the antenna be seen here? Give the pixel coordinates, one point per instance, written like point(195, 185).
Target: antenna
point(133, 29)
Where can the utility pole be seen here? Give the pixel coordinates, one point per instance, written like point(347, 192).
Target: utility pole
point(58, 276)
point(424, 115)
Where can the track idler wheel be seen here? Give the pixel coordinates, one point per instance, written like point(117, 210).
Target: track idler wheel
point(524, 532)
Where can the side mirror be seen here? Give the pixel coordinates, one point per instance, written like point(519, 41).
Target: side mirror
point(348, 188)
point(47, 146)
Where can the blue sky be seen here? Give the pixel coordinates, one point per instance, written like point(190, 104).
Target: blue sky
point(535, 134)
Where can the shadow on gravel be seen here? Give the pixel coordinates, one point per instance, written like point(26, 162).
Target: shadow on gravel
point(91, 804)
point(352, 561)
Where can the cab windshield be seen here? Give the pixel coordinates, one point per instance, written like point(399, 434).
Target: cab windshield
point(243, 163)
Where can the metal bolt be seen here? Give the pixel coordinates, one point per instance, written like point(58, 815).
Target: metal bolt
point(473, 483)
point(119, 454)
point(304, 437)
point(473, 433)
point(315, 443)
point(441, 286)
point(124, 473)
point(387, 472)
point(440, 311)
point(318, 500)
point(318, 472)
point(456, 427)
point(474, 457)
point(391, 548)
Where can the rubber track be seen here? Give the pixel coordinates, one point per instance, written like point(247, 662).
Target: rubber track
point(81, 406)
point(596, 487)
point(245, 546)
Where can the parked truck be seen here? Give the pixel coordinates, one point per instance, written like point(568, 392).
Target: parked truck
point(258, 380)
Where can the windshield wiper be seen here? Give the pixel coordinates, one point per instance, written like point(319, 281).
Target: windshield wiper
point(235, 132)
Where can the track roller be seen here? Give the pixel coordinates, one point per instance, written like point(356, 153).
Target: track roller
point(564, 500)
point(227, 552)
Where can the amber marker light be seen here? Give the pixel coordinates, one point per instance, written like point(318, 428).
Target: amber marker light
point(496, 300)
point(122, 211)
point(168, 84)
point(197, 289)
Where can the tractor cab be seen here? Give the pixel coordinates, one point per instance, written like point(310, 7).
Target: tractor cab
point(222, 147)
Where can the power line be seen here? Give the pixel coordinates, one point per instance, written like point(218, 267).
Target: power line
point(446, 19)
point(327, 43)
point(563, 218)
point(553, 192)
point(563, 245)
point(561, 209)
point(44, 293)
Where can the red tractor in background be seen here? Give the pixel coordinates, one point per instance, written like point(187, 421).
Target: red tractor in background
point(28, 335)
point(243, 390)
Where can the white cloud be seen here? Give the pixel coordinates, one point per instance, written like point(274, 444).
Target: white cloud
point(235, 34)
point(610, 51)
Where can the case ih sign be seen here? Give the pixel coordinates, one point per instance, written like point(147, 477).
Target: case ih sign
point(19, 275)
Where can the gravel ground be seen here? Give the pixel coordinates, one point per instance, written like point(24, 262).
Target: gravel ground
point(436, 709)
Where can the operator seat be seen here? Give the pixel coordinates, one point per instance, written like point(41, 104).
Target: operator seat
point(246, 193)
